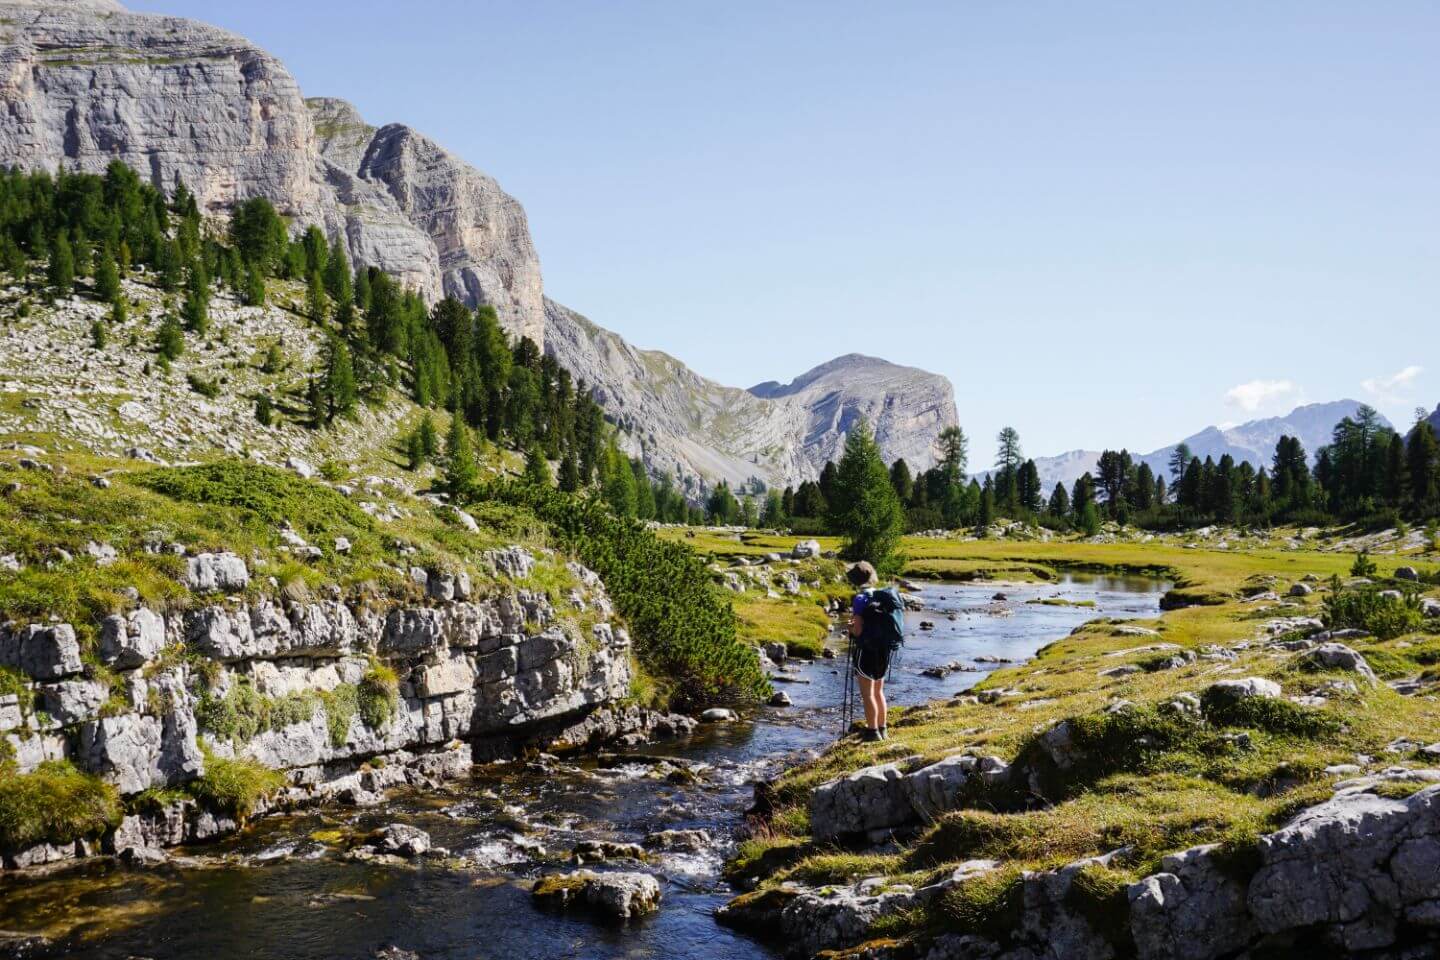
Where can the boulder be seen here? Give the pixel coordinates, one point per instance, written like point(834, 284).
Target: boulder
point(401, 839)
point(776, 651)
point(620, 896)
point(805, 550)
point(718, 715)
point(600, 851)
point(1337, 656)
point(679, 841)
point(129, 641)
point(1407, 573)
point(73, 701)
point(1300, 590)
point(945, 785)
point(875, 798)
point(780, 699)
point(212, 572)
point(1233, 691)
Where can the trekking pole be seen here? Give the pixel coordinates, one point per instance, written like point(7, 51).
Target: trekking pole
point(847, 703)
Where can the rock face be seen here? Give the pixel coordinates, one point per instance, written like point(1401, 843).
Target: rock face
point(680, 422)
point(87, 82)
point(482, 677)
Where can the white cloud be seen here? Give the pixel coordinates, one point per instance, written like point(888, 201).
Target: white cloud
point(1394, 388)
point(1259, 395)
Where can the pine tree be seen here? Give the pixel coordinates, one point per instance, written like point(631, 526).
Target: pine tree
point(98, 335)
point(315, 303)
point(985, 514)
point(569, 473)
point(316, 402)
point(953, 454)
point(254, 286)
point(119, 312)
point(901, 479)
point(107, 277)
point(644, 493)
point(1422, 462)
point(338, 282)
point(1179, 463)
point(414, 450)
point(264, 410)
point(61, 272)
point(429, 441)
point(274, 359)
point(170, 339)
point(864, 508)
point(619, 483)
point(1059, 505)
point(340, 386)
point(196, 308)
point(460, 468)
point(537, 471)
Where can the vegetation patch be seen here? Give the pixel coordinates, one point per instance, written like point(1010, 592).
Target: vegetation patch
point(378, 695)
point(236, 785)
point(56, 803)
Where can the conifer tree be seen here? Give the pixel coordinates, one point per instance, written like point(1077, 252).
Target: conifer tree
point(254, 286)
point(196, 308)
point(98, 336)
point(460, 468)
point(569, 473)
point(264, 410)
point(429, 441)
point(107, 277)
point(644, 493)
point(170, 339)
point(316, 306)
point(119, 312)
point(340, 386)
point(863, 507)
point(61, 271)
point(537, 471)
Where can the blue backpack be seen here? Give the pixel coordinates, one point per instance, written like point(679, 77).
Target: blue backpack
point(884, 627)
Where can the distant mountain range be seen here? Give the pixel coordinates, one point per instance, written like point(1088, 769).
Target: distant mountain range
point(1253, 441)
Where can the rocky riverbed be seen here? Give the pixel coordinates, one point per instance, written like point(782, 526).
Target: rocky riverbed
point(333, 881)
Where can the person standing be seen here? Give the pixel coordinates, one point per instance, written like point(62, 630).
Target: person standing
point(877, 628)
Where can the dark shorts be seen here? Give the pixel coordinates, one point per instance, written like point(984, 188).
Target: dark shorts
point(872, 664)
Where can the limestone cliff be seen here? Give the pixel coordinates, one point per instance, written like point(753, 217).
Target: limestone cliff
point(85, 82)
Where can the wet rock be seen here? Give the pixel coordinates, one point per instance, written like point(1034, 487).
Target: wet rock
point(601, 851)
point(777, 652)
point(620, 896)
point(401, 839)
point(718, 715)
point(679, 841)
point(212, 572)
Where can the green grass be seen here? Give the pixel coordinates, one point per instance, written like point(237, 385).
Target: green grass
point(54, 804)
point(235, 786)
point(1143, 778)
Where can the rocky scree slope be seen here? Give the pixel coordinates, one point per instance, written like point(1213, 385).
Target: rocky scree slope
point(87, 82)
point(685, 425)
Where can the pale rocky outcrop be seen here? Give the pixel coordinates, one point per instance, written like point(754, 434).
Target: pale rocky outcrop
point(179, 100)
point(620, 896)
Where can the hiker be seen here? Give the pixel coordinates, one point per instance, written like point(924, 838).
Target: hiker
point(877, 627)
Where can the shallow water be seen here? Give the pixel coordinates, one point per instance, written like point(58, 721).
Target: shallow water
point(278, 892)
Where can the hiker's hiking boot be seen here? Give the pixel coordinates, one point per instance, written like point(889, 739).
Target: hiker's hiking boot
point(884, 733)
point(871, 735)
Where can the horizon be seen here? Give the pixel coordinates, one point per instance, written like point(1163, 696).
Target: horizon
point(1054, 193)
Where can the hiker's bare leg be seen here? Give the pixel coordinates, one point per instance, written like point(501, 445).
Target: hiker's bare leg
point(878, 686)
point(867, 695)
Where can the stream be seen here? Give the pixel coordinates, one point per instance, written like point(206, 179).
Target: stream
point(283, 890)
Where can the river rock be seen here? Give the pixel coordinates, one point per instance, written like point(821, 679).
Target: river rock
point(401, 839)
point(718, 715)
point(805, 550)
point(621, 896)
point(212, 572)
point(601, 851)
point(679, 841)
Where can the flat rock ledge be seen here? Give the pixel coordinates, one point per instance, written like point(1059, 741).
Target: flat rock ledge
point(1355, 876)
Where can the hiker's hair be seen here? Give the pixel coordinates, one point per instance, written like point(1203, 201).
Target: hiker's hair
point(861, 575)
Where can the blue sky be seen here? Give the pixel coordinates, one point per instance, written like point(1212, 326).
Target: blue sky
point(1108, 223)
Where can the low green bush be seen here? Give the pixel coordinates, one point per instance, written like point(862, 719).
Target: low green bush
point(56, 803)
point(234, 786)
point(378, 696)
point(684, 631)
point(1366, 609)
point(1270, 714)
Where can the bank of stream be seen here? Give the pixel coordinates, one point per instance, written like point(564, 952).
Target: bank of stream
point(285, 888)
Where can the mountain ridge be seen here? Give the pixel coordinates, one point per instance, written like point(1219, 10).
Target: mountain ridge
point(88, 82)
